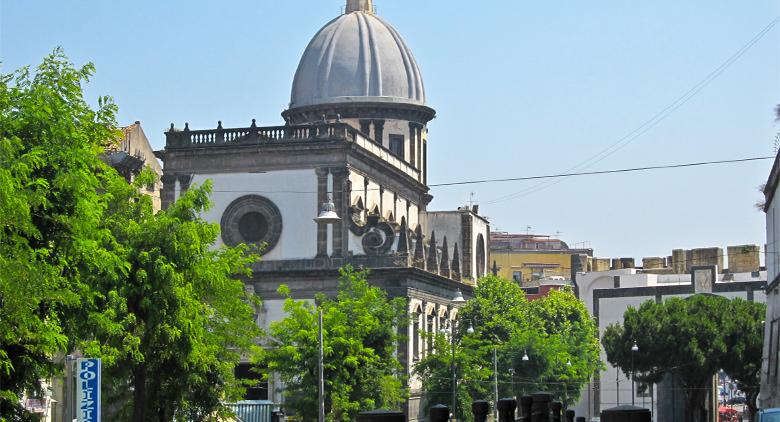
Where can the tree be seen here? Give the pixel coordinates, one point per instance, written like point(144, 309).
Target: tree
point(178, 318)
point(744, 333)
point(360, 332)
point(556, 333)
point(51, 206)
point(86, 266)
point(690, 338)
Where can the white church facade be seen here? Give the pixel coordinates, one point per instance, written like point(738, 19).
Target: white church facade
point(356, 134)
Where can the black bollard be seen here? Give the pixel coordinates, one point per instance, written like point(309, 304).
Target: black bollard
point(569, 416)
point(540, 409)
point(439, 413)
point(525, 408)
point(506, 410)
point(556, 408)
point(581, 419)
point(381, 415)
point(480, 409)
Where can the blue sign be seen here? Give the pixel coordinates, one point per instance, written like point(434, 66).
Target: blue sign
point(88, 390)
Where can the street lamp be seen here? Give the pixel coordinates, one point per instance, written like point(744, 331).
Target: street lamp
point(328, 213)
point(470, 330)
point(457, 300)
point(634, 348)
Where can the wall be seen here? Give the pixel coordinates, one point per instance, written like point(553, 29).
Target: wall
point(510, 262)
point(770, 381)
point(608, 303)
point(289, 190)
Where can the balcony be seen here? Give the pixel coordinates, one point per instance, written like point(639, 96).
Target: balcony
point(254, 135)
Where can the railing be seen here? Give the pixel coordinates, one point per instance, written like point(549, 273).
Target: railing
point(253, 411)
point(254, 135)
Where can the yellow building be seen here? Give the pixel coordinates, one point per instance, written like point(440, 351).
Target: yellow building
point(529, 258)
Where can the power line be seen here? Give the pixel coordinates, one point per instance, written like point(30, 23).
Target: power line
point(656, 119)
point(590, 173)
point(550, 176)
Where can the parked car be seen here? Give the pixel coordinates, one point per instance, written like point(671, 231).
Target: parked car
point(737, 400)
point(768, 415)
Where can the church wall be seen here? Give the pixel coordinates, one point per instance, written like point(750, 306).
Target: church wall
point(288, 190)
point(445, 224)
point(480, 227)
point(384, 201)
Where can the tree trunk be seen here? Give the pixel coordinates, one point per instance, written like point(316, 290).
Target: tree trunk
point(695, 410)
point(139, 393)
point(752, 406)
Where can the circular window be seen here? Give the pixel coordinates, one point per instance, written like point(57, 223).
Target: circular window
point(253, 220)
point(253, 226)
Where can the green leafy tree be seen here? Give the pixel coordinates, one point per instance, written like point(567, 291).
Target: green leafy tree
point(51, 179)
point(360, 331)
point(744, 334)
point(692, 339)
point(85, 265)
point(556, 333)
point(178, 318)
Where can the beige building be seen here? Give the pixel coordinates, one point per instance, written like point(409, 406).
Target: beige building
point(131, 154)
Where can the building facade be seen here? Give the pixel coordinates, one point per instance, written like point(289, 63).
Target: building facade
point(131, 154)
point(770, 379)
point(355, 134)
point(529, 259)
point(608, 294)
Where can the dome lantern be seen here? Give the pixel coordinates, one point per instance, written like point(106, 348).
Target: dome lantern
point(360, 6)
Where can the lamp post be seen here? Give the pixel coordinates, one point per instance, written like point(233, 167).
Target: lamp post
point(634, 348)
point(457, 300)
point(326, 216)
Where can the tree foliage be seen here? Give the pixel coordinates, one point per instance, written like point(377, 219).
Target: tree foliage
point(556, 333)
point(50, 210)
point(178, 317)
point(691, 338)
point(360, 332)
point(86, 266)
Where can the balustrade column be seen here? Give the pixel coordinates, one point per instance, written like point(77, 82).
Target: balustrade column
point(341, 199)
point(322, 197)
point(168, 193)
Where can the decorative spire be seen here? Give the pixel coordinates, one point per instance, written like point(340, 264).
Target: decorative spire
point(360, 6)
point(444, 265)
point(433, 254)
point(419, 248)
point(455, 267)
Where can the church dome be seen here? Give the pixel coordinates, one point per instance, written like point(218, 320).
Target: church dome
point(357, 57)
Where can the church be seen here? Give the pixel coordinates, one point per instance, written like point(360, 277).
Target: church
point(342, 181)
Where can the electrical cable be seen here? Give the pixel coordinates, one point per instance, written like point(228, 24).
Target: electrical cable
point(537, 177)
point(655, 120)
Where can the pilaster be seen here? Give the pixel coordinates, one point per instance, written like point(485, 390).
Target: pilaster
point(322, 197)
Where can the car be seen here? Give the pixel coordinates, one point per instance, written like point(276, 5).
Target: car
point(737, 400)
point(768, 415)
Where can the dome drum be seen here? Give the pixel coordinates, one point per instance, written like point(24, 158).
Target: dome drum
point(359, 110)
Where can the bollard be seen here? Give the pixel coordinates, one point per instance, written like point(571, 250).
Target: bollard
point(569, 416)
point(556, 408)
point(381, 415)
point(525, 408)
point(439, 413)
point(480, 409)
point(626, 414)
point(581, 419)
point(506, 410)
point(540, 409)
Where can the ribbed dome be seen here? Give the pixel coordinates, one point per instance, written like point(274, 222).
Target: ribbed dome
point(357, 57)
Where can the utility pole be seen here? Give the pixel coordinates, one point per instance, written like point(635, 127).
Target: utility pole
point(495, 379)
point(321, 375)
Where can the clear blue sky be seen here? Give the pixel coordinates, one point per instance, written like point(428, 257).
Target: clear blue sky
point(521, 88)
